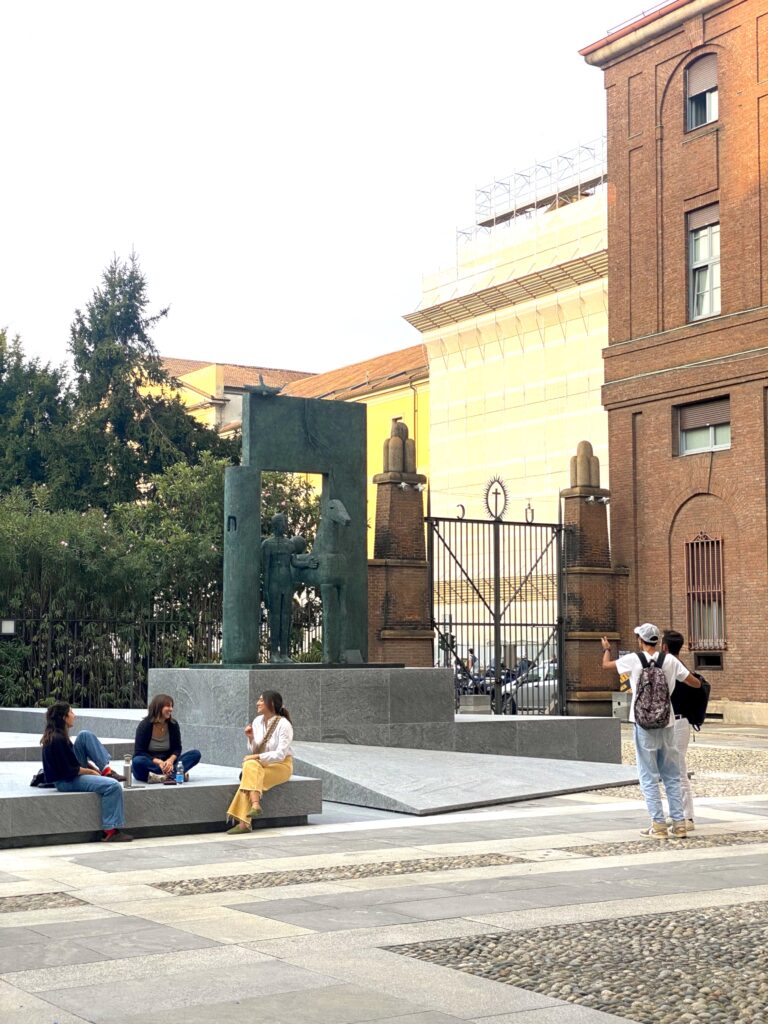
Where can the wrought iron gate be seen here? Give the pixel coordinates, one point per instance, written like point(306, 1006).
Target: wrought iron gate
point(498, 589)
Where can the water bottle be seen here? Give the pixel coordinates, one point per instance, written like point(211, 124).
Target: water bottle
point(127, 770)
point(179, 773)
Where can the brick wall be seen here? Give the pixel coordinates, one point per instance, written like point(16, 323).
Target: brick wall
point(656, 359)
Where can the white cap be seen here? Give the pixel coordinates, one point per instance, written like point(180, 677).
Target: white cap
point(648, 632)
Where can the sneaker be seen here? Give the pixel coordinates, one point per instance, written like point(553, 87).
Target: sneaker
point(688, 823)
point(656, 831)
point(117, 837)
point(679, 830)
point(153, 777)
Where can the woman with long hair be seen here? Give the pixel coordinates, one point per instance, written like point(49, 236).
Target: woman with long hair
point(66, 765)
point(268, 763)
point(157, 747)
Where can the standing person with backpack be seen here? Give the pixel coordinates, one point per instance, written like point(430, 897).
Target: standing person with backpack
point(689, 706)
point(652, 677)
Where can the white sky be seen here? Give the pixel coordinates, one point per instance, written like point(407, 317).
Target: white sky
point(286, 171)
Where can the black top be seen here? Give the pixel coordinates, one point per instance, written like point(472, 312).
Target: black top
point(144, 735)
point(59, 761)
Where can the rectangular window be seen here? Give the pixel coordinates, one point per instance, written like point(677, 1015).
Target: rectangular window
point(701, 92)
point(704, 426)
point(704, 262)
point(705, 593)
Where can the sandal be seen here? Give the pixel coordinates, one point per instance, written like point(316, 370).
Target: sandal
point(238, 830)
point(255, 812)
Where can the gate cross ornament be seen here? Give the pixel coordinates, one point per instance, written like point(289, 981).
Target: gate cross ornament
point(496, 493)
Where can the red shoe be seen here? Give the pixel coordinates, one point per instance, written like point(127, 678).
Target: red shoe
point(116, 836)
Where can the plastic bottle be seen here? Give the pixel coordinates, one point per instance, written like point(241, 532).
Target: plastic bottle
point(179, 773)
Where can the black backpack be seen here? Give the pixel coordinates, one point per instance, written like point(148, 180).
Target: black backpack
point(691, 701)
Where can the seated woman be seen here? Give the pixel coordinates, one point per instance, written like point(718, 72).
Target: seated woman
point(157, 746)
point(66, 765)
point(269, 762)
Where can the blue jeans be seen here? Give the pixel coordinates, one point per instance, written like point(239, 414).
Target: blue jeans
point(88, 747)
point(143, 764)
point(658, 758)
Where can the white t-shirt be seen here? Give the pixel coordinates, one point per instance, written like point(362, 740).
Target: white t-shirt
point(279, 743)
point(632, 666)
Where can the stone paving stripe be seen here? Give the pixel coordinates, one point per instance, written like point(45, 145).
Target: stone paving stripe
point(37, 901)
point(265, 879)
point(694, 841)
point(691, 966)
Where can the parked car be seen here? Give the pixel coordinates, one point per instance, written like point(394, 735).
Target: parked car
point(530, 694)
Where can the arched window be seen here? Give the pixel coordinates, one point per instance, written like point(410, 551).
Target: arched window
point(701, 92)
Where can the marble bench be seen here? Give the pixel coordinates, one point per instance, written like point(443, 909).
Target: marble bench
point(36, 817)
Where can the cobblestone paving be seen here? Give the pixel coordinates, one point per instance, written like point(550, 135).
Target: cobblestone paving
point(718, 771)
point(694, 841)
point(38, 901)
point(687, 968)
point(257, 880)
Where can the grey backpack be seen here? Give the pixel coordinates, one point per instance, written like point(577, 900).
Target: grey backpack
point(652, 700)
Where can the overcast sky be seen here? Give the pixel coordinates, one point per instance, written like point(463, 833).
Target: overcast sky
point(286, 172)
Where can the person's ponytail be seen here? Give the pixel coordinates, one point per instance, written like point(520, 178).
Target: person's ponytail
point(275, 701)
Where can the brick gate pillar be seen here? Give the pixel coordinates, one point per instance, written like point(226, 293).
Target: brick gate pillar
point(594, 587)
point(399, 626)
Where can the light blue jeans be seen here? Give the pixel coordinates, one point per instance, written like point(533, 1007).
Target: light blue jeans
point(89, 748)
point(658, 758)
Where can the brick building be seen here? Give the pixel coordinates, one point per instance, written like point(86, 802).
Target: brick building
point(686, 367)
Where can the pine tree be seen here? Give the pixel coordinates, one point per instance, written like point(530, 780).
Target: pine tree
point(126, 423)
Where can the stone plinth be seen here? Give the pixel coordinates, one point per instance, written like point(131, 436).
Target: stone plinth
point(376, 707)
point(31, 817)
point(328, 705)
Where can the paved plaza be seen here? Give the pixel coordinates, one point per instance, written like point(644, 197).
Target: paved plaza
point(551, 911)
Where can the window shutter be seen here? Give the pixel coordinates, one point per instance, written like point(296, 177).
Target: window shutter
point(702, 75)
point(705, 414)
point(704, 216)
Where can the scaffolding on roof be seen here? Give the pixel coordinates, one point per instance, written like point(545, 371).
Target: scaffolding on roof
point(562, 179)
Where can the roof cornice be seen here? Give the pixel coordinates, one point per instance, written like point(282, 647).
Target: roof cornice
point(638, 33)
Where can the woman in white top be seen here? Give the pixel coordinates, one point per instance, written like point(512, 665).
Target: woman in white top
point(269, 762)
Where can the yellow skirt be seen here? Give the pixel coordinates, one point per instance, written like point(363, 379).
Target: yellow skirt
point(257, 777)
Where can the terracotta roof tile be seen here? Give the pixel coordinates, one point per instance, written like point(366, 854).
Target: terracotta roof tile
point(235, 374)
point(365, 377)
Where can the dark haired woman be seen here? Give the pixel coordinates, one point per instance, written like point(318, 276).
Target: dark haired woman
point(157, 746)
point(66, 765)
point(269, 762)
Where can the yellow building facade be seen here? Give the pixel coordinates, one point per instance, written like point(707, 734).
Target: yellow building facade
point(514, 335)
point(213, 392)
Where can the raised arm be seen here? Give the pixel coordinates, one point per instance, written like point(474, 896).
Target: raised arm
point(607, 663)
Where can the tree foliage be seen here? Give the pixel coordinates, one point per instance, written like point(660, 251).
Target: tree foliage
point(34, 406)
point(126, 423)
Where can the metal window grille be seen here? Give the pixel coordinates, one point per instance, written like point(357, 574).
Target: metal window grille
point(705, 593)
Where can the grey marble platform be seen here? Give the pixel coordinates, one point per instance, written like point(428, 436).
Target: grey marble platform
point(34, 816)
point(432, 781)
point(22, 746)
point(120, 724)
point(382, 707)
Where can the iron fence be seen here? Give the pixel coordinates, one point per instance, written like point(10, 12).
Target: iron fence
point(99, 663)
point(497, 610)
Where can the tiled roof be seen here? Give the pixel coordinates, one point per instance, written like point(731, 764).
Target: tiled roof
point(235, 374)
point(366, 377)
